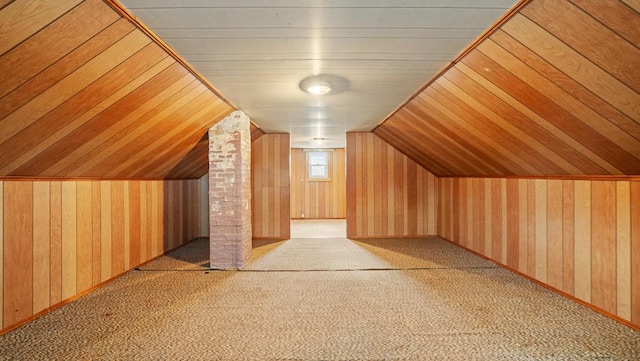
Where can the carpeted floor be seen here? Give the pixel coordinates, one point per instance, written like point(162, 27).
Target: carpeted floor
point(324, 299)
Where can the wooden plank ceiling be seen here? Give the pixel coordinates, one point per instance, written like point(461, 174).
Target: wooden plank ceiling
point(553, 91)
point(84, 93)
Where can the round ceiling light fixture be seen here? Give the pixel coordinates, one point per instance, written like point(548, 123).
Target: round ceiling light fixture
point(323, 84)
point(319, 88)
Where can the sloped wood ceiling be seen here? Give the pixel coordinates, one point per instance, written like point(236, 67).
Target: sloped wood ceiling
point(553, 91)
point(84, 93)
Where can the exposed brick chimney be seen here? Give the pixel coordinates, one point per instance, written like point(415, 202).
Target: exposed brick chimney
point(230, 192)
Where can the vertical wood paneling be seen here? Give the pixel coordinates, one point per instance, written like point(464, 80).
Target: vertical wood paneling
point(351, 199)
point(56, 236)
point(126, 225)
point(555, 254)
point(135, 223)
point(395, 201)
point(623, 250)
point(568, 236)
point(541, 230)
point(582, 242)
point(635, 252)
point(488, 218)
point(531, 227)
point(117, 228)
point(18, 251)
point(1, 254)
point(41, 246)
point(105, 230)
point(56, 242)
point(496, 215)
point(157, 211)
point(522, 226)
point(317, 199)
point(69, 240)
point(576, 236)
point(144, 222)
point(96, 232)
point(270, 198)
point(603, 245)
point(513, 223)
point(84, 231)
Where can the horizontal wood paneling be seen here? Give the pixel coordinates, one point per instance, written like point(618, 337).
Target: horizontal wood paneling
point(59, 239)
point(388, 194)
point(89, 95)
point(552, 91)
point(270, 187)
point(576, 236)
point(318, 199)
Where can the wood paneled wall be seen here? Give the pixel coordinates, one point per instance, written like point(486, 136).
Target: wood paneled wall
point(84, 93)
point(59, 239)
point(553, 91)
point(270, 187)
point(578, 236)
point(318, 199)
point(388, 194)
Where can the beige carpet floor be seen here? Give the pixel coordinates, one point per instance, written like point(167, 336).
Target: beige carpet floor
point(324, 299)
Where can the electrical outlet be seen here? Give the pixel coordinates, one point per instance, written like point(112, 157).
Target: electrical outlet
point(301, 215)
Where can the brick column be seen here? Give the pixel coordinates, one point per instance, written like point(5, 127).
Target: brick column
point(230, 192)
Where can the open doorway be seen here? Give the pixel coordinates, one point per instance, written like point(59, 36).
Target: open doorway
point(318, 193)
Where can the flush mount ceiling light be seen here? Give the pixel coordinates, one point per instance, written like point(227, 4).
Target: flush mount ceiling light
point(319, 88)
point(323, 84)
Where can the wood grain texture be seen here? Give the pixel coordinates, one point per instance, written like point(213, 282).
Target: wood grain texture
point(69, 240)
point(41, 246)
point(582, 241)
point(635, 252)
point(25, 60)
point(329, 197)
point(18, 251)
point(21, 19)
point(85, 90)
point(1, 254)
point(270, 187)
point(56, 242)
point(60, 240)
point(574, 235)
point(603, 245)
point(393, 201)
point(84, 229)
point(553, 91)
point(623, 250)
point(554, 230)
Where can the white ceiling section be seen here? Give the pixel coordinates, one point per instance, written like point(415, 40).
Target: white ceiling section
point(256, 52)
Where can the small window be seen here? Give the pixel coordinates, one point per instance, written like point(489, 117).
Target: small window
point(318, 165)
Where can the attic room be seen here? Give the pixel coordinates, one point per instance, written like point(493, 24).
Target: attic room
point(484, 158)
